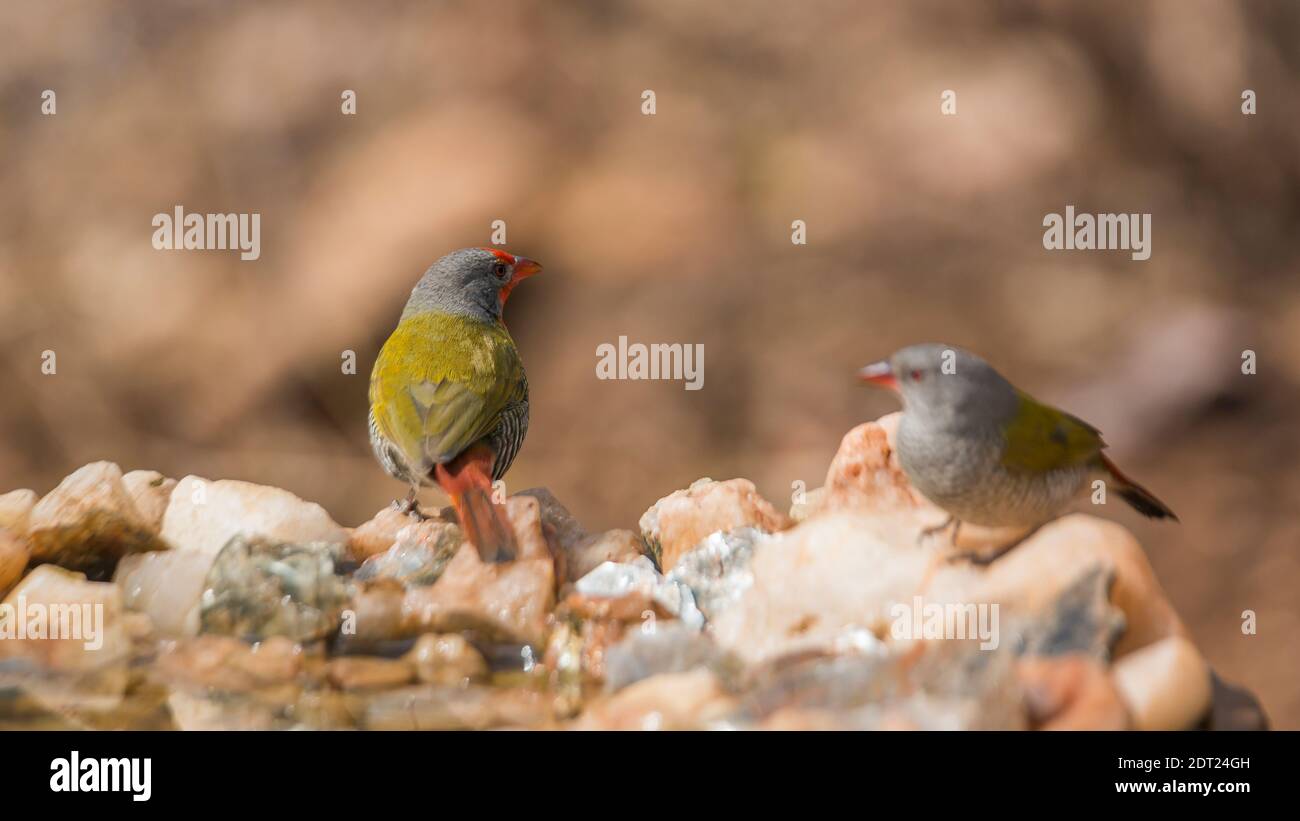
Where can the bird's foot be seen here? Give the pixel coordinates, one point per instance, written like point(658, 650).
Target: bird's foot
point(975, 558)
point(985, 559)
point(927, 532)
point(410, 507)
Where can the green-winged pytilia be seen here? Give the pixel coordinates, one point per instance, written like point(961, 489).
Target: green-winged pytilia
point(448, 395)
point(987, 452)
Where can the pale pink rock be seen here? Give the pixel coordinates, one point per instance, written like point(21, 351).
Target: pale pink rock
point(89, 522)
point(807, 504)
point(227, 664)
point(1166, 685)
point(378, 534)
point(677, 522)
point(223, 683)
point(833, 573)
point(15, 509)
point(559, 525)
point(93, 488)
point(433, 707)
point(376, 612)
point(167, 586)
point(203, 515)
point(1070, 693)
point(151, 492)
point(576, 551)
point(865, 472)
point(13, 559)
point(447, 659)
point(79, 657)
point(507, 601)
point(591, 551)
point(670, 701)
point(1070, 544)
point(418, 557)
point(847, 570)
point(390, 525)
point(525, 515)
point(367, 673)
point(199, 712)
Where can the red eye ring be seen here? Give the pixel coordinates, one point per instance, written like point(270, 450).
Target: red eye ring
point(916, 376)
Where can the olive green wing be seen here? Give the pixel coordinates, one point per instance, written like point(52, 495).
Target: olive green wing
point(440, 384)
point(1041, 438)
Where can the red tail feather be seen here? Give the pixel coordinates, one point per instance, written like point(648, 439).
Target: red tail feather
point(467, 480)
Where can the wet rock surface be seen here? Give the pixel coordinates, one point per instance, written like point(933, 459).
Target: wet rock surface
point(15, 509)
point(412, 561)
point(617, 546)
point(1080, 619)
point(716, 571)
point(578, 552)
point(151, 492)
point(203, 515)
point(676, 523)
point(362, 673)
point(661, 649)
point(447, 659)
point(1071, 693)
point(503, 602)
point(673, 701)
point(14, 554)
point(237, 606)
point(166, 585)
point(258, 588)
point(63, 640)
point(89, 522)
point(945, 686)
point(638, 582)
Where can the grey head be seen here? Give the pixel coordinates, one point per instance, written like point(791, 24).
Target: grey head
point(473, 282)
point(946, 387)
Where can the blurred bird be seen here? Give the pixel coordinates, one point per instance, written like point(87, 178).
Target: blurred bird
point(448, 394)
point(987, 452)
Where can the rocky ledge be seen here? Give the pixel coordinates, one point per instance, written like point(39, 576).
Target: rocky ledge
point(223, 604)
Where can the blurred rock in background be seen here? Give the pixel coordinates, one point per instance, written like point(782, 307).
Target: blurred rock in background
point(670, 228)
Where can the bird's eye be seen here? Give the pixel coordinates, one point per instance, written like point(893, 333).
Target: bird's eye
point(916, 376)
point(500, 269)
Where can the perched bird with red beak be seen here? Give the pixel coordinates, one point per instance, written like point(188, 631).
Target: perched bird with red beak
point(987, 452)
point(448, 394)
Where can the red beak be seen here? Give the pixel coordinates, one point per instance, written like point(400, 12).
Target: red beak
point(522, 268)
point(879, 373)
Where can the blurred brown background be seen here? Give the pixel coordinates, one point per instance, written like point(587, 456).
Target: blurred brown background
point(671, 228)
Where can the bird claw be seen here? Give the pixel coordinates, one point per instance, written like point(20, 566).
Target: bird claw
point(927, 532)
point(985, 559)
point(410, 507)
